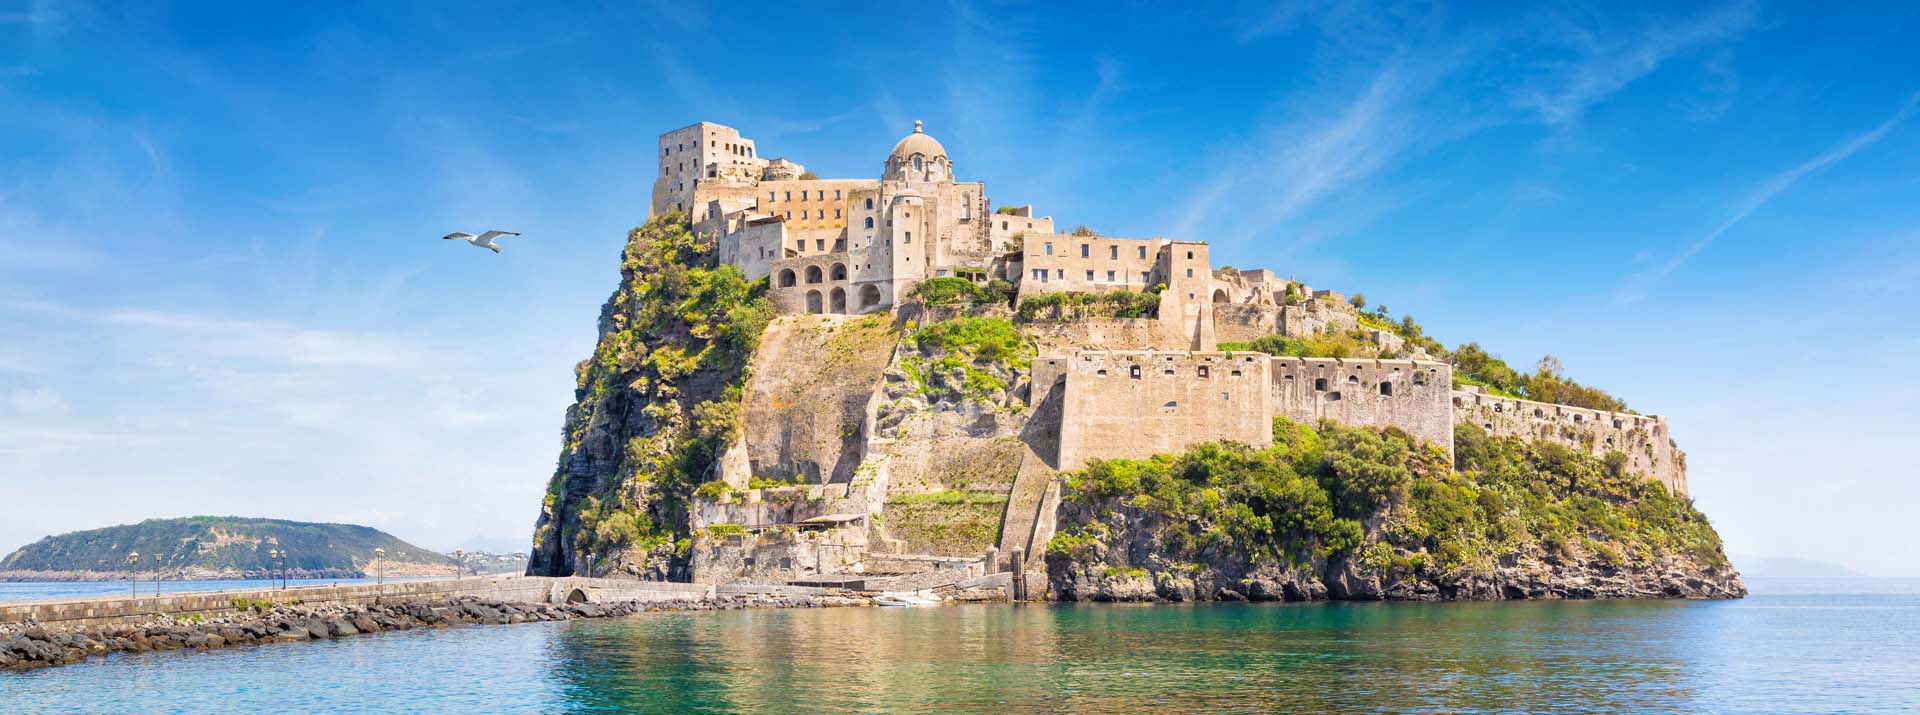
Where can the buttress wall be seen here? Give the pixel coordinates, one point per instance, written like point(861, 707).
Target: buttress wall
point(1409, 394)
point(1134, 405)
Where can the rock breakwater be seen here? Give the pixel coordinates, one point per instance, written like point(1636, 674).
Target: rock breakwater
point(27, 646)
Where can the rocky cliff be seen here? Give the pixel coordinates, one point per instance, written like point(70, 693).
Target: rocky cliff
point(1347, 513)
point(655, 409)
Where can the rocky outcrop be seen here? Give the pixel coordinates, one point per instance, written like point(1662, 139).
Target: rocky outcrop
point(1356, 515)
point(656, 408)
point(1108, 572)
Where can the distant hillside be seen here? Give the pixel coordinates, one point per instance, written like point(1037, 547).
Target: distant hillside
point(218, 547)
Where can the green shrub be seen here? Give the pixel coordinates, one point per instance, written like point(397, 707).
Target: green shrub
point(949, 290)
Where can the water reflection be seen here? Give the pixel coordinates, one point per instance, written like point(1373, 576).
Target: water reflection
point(1605, 657)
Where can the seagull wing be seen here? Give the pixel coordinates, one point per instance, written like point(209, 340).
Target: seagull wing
point(458, 235)
point(490, 235)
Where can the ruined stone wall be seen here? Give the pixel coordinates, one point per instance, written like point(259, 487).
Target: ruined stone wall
point(1243, 322)
point(1138, 404)
point(1067, 336)
point(1408, 394)
point(1644, 439)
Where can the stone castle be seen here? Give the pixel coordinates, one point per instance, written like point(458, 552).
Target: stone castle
point(1103, 387)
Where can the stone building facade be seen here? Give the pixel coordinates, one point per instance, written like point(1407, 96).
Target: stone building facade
point(852, 246)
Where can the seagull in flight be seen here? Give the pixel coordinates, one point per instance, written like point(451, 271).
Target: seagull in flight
point(484, 240)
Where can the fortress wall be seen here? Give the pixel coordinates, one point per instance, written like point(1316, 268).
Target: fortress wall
point(1645, 439)
point(1408, 394)
point(1138, 404)
point(1105, 334)
point(1242, 322)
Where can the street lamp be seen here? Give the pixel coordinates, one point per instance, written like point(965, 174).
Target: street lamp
point(380, 566)
point(133, 572)
point(590, 564)
point(460, 559)
point(273, 565)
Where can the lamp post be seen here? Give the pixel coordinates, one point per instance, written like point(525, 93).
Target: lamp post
point(380, 566)
point(273, 566)
point(133, 572)
point(460, 564)
point(590, 556)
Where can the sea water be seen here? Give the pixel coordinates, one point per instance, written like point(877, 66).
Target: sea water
point(1793, 647)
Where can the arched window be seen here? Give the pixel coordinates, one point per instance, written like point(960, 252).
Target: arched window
point(869, 296)
point(839, 272)
point(813, 301)
point(1320, 384)
point(786, 278)
point(1353, 379)
point(837, 303)
point(869, 208)
point(869, 218)
point(1220, 296)
point(813, 274)
point(916, 162)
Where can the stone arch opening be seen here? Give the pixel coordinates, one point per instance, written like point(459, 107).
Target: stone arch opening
point(813, 274)
point(869, 296)
point(1219, 296)
point(839, 272)
point(577, 596)
point(786, 278)
point(813, 301)
point(837, 300)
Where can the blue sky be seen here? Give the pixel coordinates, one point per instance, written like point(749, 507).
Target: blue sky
point(222, 289)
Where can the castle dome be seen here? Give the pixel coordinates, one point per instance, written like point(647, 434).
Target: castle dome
point(919, 142)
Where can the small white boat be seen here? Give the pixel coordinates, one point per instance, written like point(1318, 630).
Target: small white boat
point(901, 600)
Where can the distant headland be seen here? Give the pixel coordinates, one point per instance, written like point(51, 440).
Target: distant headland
point(221, 547)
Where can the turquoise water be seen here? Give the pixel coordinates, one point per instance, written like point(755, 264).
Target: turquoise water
point(1801, 647)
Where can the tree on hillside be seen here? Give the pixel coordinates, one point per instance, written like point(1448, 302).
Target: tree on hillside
point(1082, 230)
point(1359, 301)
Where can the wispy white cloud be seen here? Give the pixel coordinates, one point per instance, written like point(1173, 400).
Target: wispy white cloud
point(1304, 162)
point(1603, 63)
point(37, 401)
point(1637, 287)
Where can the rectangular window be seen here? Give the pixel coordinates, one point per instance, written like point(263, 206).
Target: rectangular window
point(1143, 251)
point(819, 244)
point(1189, 272)
point(1089, 276)
point(799, 245)
point(909, 238)
point(1109, 276)
point(1049, 249)
point(1084, 249)
point(1113, 252)
point(1144, 276)
point(789, 215)
point(836, 213)
point(1063, 273)
point(836, 194)
point(1039, 274)
point(790, 195)
point(770, 196)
